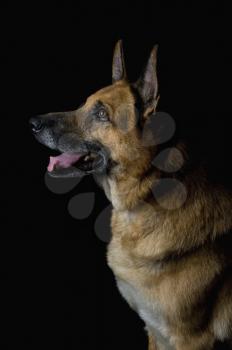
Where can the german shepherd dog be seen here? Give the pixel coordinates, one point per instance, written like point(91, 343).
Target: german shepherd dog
point(171, 257)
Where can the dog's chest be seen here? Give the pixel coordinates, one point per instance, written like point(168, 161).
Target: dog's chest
point(142, 299)
point(149, 310)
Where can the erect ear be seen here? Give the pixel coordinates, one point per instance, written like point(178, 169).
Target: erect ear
point(118, 67)
point(147, 84)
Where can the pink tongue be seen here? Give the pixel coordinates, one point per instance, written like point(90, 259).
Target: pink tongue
point(65, 160)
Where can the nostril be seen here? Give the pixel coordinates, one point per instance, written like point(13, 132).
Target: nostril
point(36, 125)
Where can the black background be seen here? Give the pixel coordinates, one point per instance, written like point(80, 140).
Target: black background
point(57, 288)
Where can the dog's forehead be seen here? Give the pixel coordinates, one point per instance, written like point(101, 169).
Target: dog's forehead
point(113, 95)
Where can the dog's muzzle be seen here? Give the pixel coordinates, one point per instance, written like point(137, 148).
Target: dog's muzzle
point(77, 157)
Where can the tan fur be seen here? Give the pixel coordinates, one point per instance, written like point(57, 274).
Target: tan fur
point(170, 252)
point(151, 345)
point(145, 234)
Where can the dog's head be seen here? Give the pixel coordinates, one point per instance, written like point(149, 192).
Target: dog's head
point(104, 134)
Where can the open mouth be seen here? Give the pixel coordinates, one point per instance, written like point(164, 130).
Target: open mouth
point(70, 164)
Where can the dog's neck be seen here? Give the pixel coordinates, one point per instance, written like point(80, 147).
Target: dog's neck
point(131, 200)
point(130, 193)
point(129, 185)
point(126, 193)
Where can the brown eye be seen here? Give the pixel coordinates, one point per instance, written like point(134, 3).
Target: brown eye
point(102, 115)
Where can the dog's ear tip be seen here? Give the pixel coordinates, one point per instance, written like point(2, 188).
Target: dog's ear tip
point(154, 51)
point(119, 44)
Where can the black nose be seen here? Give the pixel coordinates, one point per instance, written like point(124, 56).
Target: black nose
point(36, 124)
